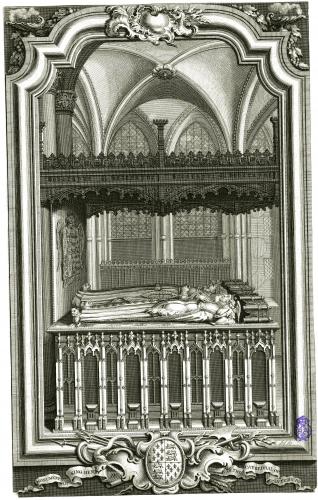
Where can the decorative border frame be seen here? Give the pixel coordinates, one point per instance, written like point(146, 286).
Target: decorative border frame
point(61, 48)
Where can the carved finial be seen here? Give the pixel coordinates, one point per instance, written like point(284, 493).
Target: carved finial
point(186, 340)
point(102, 339)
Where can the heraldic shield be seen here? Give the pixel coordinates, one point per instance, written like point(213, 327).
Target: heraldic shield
point(165, 462)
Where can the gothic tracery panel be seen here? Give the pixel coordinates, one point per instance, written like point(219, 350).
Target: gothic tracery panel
point(196, 376)
point(195, 138)
point(154, 377)
point(129, 139)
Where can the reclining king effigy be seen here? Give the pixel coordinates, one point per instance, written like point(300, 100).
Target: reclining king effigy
point(210, 304)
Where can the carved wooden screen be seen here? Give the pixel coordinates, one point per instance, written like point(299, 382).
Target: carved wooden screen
point(196, 377)
point(175, 378)
point(238, 379)
point(259, 377)
point(90, 378)
point(69, 378)
point(153, 378)
point(111, 375)
point(216, 377)
point(133, 378)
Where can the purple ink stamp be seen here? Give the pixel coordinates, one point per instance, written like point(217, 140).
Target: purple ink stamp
point(302, 428)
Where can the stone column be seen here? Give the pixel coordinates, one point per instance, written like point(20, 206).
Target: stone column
point(244, 247)
point(144, 385)
point(273, 418)
point(206, 384)
point(59, 420)
point(163, 238)
point(276, 142)
point(156, 240)
point(164, 384)
point(229, 416)
point(102, 421)
point(121, 414)
point(236, 235)
point(106, 218)
point(232, 246)
point(171, 249)
point(249, 248)
point(78, 417)
point(98, 229)
point(248, 382)
point(237, 244)
point(64, 108)
point(226, 236)
point(49, 247)
point(91, 251)
point(187, 384)
point(161, 141)
point(48, 117)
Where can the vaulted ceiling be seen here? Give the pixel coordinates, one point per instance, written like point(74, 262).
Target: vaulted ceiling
point(118, 81)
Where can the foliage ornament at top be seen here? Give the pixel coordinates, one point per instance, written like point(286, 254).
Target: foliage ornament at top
point(26, 22)
point(152, 23)
point(281, 17)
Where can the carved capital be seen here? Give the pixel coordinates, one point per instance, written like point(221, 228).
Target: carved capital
point(65, 101)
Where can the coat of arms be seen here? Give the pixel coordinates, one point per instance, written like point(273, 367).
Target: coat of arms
point(164, 462)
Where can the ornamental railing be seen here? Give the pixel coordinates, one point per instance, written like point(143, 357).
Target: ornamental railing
point(85, 358)
point(175, 272)
point(140, 161)
point(233, 182)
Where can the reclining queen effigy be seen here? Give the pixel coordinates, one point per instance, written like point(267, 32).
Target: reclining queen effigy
point(210, 304)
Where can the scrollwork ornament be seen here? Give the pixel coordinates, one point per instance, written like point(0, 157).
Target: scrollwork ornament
point(152, 23)
point(169, 462)
point(281, 17)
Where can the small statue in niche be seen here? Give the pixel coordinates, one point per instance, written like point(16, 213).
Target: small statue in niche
point(70, 241)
